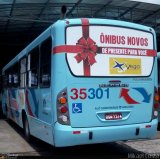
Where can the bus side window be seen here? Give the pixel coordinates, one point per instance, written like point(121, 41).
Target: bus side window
point(15, 78)
point(45, 63)
point(4, 80)
point(9, 77)
point(23, 73)
point(33, 67)
point(10, 80)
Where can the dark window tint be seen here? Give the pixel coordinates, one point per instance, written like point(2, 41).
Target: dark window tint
point(23, 65)
point(15, 75)
point(45, 63)
point(33, 67)
point(11, 77)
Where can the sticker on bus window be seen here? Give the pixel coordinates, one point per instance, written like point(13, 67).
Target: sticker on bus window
point(125, 66)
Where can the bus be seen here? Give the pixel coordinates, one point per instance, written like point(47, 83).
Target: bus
point(85, 81)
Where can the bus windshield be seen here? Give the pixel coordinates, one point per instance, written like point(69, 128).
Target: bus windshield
point(110, 51)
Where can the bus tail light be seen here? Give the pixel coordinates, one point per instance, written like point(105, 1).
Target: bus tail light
point(155, 103)
point(62, 108)
point(156, 97)
point(62, 100)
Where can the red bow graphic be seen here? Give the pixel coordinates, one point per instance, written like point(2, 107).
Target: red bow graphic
point(88, 50)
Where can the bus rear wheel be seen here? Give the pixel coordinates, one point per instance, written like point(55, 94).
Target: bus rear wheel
point(26, 129)
point(7, 116)
point(158, 128)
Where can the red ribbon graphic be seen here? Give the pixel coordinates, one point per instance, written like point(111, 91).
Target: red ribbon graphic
point(89, 48)
point(28, 103)
point(85, 48)
point(88, 51)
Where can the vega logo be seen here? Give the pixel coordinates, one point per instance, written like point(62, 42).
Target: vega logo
point(125, 66)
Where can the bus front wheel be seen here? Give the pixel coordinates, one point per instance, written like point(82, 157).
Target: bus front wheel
point(26, 129)
point(7, 113)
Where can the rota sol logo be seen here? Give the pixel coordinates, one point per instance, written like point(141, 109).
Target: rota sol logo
point(125, 66)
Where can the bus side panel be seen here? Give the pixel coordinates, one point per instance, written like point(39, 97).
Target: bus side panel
point(4, 102)
point(40, 114)
point(13, 99)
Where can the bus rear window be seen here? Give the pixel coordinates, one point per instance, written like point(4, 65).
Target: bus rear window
point(109, 51)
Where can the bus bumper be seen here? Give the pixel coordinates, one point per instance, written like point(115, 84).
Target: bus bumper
point(68, 136)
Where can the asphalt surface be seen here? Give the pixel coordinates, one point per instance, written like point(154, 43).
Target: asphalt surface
point(12, 143)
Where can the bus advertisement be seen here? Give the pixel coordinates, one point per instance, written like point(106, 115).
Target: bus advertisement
point(85, 81)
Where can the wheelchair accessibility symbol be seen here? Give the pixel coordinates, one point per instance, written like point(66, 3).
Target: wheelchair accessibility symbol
point(76, 107)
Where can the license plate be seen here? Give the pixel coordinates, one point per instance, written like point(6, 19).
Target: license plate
point(113, 116)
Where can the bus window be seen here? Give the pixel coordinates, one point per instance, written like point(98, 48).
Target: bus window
point(45, 63)
point(8, 77)
point(5, 80)
point(15, 80)
point(33, 67)
point(23, 72)
point(109, 65)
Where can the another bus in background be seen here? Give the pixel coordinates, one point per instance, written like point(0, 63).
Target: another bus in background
point(158, 70)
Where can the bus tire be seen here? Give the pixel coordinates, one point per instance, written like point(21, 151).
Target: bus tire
point(7, 113)
point(158, 127)
point(26, 129)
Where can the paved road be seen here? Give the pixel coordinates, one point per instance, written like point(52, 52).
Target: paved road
point(12, 143)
